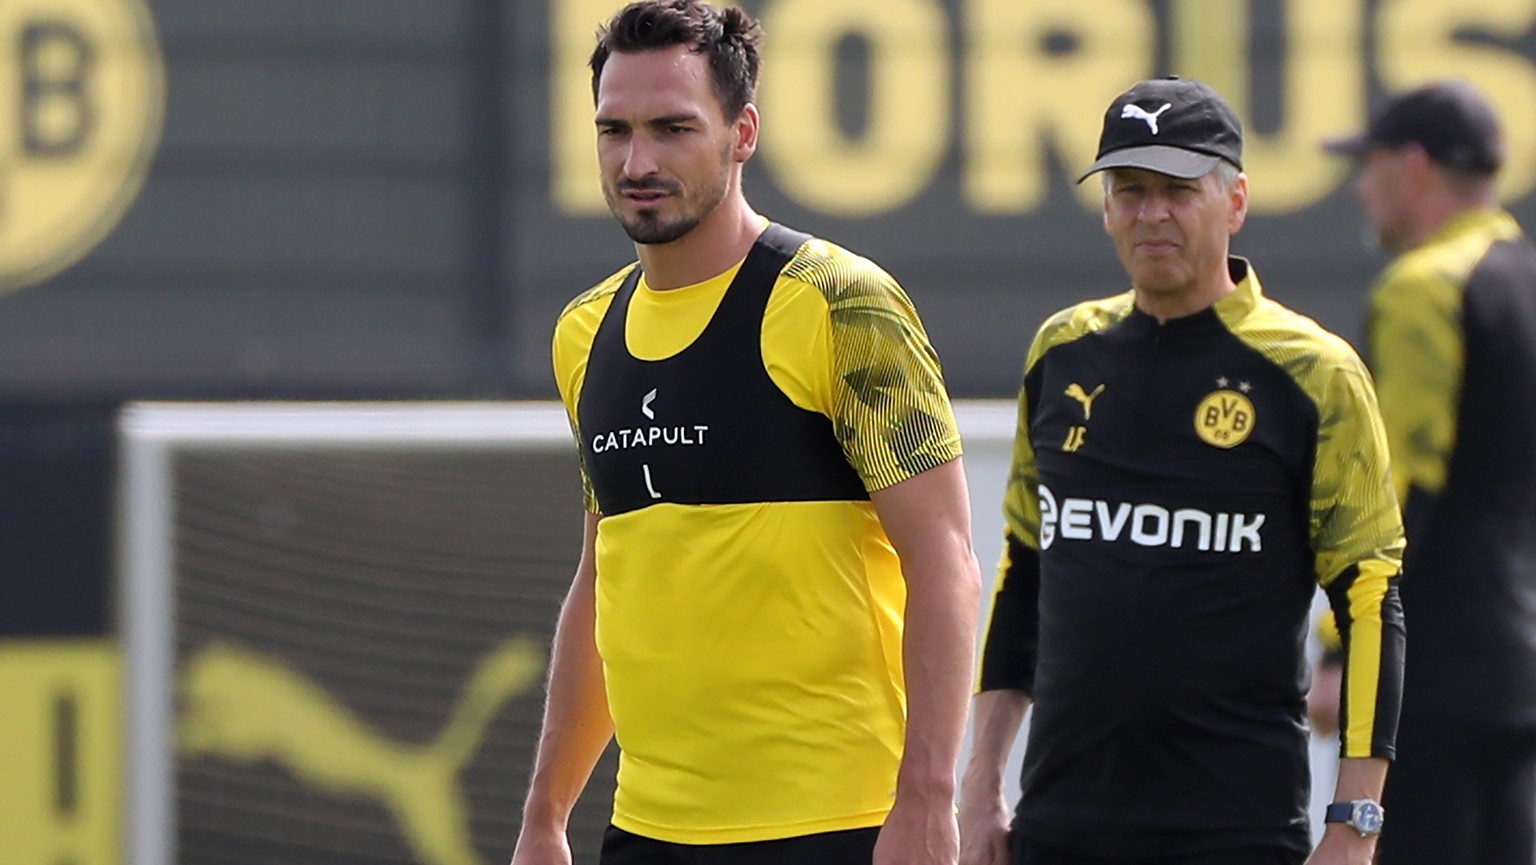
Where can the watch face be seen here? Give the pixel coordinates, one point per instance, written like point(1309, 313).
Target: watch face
point(1368, 817)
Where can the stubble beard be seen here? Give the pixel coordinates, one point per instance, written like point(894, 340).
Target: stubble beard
point(649, 228)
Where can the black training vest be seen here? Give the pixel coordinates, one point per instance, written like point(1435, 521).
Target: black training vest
point(707, 425)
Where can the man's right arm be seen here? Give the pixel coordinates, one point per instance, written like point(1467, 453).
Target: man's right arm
point(984, 815)
point(997, 712)
point(577, 726)
point(1008, 656)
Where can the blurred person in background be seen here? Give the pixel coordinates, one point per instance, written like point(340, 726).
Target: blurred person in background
point(775, 606)
point(1327, 679)
point(1192, 460)
point(1452, 343)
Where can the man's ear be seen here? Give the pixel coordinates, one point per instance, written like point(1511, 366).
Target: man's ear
point(747, 125)
point(1104, 180)
point(1418, 166)
point(1237, 199)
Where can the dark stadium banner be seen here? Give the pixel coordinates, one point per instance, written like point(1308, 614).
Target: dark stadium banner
point(60, 716)
point(361, 648)
point(57, 464)
point(942, 138)
point(390, 198)
point(227, 198)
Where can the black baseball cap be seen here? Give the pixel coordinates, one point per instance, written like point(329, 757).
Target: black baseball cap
point(1454, 123)
point(1174, 126)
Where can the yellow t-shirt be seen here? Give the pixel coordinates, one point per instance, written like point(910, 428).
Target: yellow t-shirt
point(752, 652)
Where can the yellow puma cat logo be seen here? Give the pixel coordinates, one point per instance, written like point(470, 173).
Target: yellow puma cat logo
point(245, 707)
point(1075, 391)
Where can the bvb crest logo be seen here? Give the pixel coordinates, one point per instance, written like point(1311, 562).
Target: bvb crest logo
point(1224, 419)
point(84, 86)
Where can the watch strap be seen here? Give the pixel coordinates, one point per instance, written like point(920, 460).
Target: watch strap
point(1339, 812)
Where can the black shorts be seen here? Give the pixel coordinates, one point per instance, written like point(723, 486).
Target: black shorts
point(1459, 792)
point(1031, 853)
point(848, 847)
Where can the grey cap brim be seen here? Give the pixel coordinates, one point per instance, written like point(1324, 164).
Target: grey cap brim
point(1352, 146)
point(1172, 161)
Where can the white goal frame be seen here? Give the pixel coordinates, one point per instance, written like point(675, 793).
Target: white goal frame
point(150, 434)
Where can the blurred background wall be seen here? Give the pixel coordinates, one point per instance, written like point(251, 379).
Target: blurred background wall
point(393, 199)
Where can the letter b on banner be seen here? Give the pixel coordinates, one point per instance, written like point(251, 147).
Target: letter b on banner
point(84, 82)
point(57, 112)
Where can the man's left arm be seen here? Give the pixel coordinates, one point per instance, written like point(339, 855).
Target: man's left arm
point(1341, 844)
point(928, 520)
point(890, 407)
point(891, 410)
point(1357, 536)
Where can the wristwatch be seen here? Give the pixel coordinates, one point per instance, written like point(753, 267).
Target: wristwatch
point(1363, 815)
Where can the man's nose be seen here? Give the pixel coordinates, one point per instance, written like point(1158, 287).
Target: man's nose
point(640, 161)
point(1154, 208)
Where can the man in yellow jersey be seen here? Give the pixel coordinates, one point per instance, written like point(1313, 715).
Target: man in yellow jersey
point(1192, 460)
point(775, 608)
point(1452, 343)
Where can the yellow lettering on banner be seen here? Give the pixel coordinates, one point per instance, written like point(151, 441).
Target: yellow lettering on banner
point(62, 755)
point(1023, 95)
point(1323, 89)
point(1418, 41)
point(574, 182)
point(812, 159)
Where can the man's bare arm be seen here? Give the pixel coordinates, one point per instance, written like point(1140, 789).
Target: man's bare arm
point(577, 726)
point(928, 520)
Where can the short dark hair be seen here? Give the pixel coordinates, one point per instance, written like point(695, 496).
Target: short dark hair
point(729, 37)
